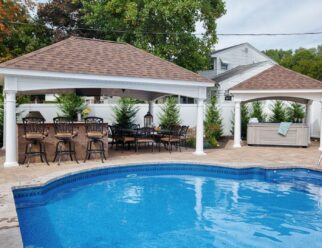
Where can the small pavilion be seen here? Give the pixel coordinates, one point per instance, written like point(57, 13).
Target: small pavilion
point(276, 83)
point(101, 68)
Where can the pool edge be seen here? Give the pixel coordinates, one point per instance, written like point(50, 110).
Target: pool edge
point(16, 240)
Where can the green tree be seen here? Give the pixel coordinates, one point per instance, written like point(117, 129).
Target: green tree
point(295, 112)
point(278, 112)
point(170, 114)
point(244, 111)
point(70, 104)
point(17, 39)
point(257, 111)
point(213, 120)
point(125, 112)
point(164, 28)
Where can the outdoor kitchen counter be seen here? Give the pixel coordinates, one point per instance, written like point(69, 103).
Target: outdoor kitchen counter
point(50, 142)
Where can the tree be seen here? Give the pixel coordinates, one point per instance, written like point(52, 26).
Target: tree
point(257, 111)
point(64, 17)
point(295, 112)
point(164, 28)
point(278, 112)
point(70, 104)
point(125, 112)
point(170, 114)
point(17, 39)
point(213, 120)
point(244, 119)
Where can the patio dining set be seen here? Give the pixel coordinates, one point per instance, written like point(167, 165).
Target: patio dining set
point(119, 138)
point(136, 136)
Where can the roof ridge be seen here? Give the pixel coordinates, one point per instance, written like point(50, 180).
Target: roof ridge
point(225, 48)
point(171, 63)
point(100, 40)
point(36, 52)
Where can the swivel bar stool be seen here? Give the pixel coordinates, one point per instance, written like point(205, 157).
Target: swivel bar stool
point(94, 128)
point(65, 134)
point(34, 133)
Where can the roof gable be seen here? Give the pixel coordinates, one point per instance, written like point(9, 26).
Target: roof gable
point(279, 78)
point(246, 45)
point(98, 57)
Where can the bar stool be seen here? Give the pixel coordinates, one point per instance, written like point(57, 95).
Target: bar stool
point(34, 133)
point(65, 134)
point(94, 128)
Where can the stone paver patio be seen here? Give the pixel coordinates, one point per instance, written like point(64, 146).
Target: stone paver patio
point(268, 157)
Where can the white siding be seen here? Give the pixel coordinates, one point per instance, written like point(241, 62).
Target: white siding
point(239, 55)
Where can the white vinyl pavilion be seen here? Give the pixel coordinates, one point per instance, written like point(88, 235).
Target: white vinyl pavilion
point(277, 83)
point(40, 79)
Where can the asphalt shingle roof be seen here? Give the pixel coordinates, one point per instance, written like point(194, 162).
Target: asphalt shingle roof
point(278, 78)
point(236, 71)
point(98, 57)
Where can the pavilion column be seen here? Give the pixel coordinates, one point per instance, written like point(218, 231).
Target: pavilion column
point(11, 133)
point(200, 128)
point(4, 124)
point(237, 125)
point(321, 127)
point(308, 117)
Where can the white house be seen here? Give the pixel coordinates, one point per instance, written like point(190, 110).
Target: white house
point(236, 64)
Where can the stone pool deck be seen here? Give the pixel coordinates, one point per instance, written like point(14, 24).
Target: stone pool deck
point(246, 156)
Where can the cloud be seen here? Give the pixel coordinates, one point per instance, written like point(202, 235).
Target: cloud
point(271, 16)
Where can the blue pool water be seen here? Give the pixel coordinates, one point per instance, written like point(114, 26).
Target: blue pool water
point(174, 206)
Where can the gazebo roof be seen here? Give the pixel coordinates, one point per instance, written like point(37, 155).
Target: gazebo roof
point(98, 57)
point(278, 78)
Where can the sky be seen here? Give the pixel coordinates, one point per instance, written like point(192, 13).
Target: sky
point(271, 16)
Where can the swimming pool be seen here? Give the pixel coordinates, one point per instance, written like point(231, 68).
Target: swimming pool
point(174, 205)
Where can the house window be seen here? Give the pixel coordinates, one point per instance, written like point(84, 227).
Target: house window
point(212, 64)
point(213, 92)
point(223, 66)
point(187, 100)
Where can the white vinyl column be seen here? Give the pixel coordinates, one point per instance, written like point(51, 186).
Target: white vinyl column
point(308, 117)
point(11, 133)
point(237, 125)
point(200, 128)
point(320, 127)
point(4, 124)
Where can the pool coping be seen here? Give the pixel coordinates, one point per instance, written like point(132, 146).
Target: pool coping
point(9, 225)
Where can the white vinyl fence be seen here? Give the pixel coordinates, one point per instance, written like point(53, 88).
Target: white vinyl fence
point(188, 113)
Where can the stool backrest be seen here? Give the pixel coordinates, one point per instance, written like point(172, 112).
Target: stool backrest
point(94, 124)
point(33, 125)
point(63, 125)
point(184, 130)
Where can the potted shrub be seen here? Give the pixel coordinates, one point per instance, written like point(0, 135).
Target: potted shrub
point(70, 105)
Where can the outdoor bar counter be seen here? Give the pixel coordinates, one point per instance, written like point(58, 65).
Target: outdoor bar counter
point(50, 142)
point(267, 134)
